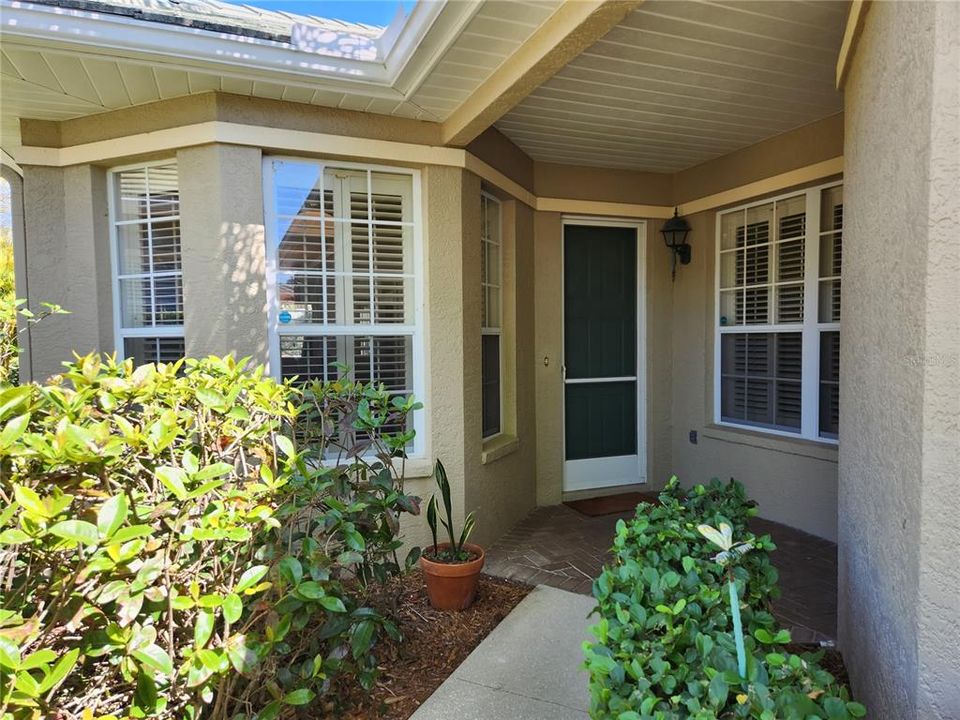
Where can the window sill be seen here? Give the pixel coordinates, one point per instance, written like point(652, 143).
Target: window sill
point(826, 451)
point(417, 468)
point(498, 447)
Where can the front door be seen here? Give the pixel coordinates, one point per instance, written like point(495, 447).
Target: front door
point(602, 383)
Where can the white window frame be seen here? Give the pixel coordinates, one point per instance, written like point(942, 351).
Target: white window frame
point(120, 333)
point(498, 331)
point(415, 331)
point(810, 329)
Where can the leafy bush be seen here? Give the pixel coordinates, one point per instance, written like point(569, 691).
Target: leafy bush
point(166, 550)
point(665, 648)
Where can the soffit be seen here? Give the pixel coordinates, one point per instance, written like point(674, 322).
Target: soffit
point(52, 85)
point(679, 83)
point(497, 31)
point(466, 42)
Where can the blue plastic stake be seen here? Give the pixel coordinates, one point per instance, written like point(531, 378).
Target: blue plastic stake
point(738, 630)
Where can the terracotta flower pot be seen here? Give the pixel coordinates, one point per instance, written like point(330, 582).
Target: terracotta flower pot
point(452, 586)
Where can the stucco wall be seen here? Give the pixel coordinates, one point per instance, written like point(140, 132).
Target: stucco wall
point(794, 481)
point(498, 151)
point(449, 195)
point(206, 107)
point(548, 300)
point(223, 246)
point(67, 263)
point(806, 145)
point(501, 473)
point(899, 609)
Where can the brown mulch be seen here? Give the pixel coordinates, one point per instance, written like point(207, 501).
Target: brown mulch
point(434, 644)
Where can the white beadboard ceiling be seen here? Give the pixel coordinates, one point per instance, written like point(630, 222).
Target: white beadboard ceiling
point(497, 30)
point(679, 83)
point(60, 83)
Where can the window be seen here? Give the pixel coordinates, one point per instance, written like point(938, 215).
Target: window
point(341, 265)
point(148, 277)
point(778, 314)
point(491, 270)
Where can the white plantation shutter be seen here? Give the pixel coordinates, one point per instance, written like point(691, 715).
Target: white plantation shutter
point(790, 267)
point(341, 274)
point(831, 261)
point(761, 373)
point(763, 327)
point(148, 285)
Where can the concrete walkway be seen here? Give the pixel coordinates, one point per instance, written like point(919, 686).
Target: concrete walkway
point(528, 668)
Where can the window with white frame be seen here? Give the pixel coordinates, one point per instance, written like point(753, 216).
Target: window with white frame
point(341, 260)
point(491, 272)
point(148, 277)
point(778, 314)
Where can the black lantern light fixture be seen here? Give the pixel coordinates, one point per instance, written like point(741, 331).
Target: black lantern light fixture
point(675, 231)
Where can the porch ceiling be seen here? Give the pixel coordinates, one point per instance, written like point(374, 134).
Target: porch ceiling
point(679, 83)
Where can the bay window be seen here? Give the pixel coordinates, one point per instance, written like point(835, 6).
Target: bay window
point(147, 271)
point(778, 314)
point(342, 281)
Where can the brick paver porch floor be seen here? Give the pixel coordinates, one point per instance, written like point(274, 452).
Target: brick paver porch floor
point(559, 547)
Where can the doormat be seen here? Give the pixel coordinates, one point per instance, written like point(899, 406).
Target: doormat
point(611, 504)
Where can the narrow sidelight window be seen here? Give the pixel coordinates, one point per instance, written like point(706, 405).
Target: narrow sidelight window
point(778, 314)
point(341, 268)
point(147, 272)
point(491, 272)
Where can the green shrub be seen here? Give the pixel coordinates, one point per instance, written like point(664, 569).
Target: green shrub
point(166, 550)
point(665, 648)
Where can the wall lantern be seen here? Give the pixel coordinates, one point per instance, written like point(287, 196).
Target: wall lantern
point(675, 231)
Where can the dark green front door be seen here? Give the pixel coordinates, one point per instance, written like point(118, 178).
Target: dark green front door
point(600, 356)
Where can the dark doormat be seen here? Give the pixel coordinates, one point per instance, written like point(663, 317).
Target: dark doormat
point(624, 502)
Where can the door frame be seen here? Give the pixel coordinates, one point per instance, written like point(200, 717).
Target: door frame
point(640, 227)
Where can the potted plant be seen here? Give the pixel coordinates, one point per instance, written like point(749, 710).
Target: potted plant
point(450, 569)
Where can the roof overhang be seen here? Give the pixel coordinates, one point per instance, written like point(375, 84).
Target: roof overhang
point(408, 53)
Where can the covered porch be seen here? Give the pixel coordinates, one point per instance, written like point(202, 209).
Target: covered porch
point(761, 124)
point(558, 546)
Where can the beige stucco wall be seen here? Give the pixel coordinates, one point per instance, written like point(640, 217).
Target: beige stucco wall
point(501, 472)
point(498, 151)
point(501, 490)
point(223, 246)
point(67, 262)
point(555, 180)
point(794, 481)
point(242, 109)
point(548, 301)
point(899, 608)
point(809, 144)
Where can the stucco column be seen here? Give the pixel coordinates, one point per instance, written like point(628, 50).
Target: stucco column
point(899, 506)
point(66, 260)
point(222, 241)
point(444, 198)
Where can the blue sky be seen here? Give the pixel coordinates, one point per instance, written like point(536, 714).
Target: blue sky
point(371, 12)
